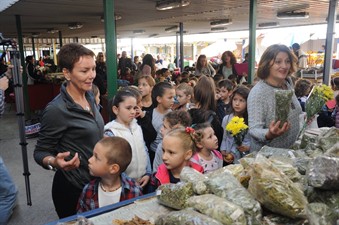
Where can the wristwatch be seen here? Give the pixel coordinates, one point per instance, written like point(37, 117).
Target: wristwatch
point(49, 166)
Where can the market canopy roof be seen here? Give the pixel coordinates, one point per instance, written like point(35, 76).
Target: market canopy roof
point(38, 16)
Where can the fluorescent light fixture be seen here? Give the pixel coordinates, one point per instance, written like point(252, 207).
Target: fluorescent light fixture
point(74, 26)
point(184, 32)
point(6, 4)
point(220, 23)
point(138, 31)
point(171, 4)
point(52, 31)
point(292, 15)
point(172, 28)
point(268, 25)
point(35, 34)
point(218, 29)
point(153, 35)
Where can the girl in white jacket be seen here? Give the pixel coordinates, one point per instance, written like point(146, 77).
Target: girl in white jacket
point(124, 106)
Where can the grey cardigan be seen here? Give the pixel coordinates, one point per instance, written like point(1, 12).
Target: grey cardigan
point(65, 126)
point(261, 112)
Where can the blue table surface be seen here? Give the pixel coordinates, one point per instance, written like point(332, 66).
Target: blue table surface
point(102, 210)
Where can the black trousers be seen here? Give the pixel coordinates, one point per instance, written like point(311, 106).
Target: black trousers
point(65, 195)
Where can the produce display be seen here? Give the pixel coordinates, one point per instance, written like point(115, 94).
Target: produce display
point(285, 186)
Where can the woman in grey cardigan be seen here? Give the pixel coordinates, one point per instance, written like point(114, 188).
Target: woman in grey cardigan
point(276, 65)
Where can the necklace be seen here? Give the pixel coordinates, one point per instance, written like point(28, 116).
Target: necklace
point(282, 86)
point(109, 190)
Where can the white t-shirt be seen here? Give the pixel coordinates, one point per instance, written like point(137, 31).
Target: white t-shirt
point(108, 198)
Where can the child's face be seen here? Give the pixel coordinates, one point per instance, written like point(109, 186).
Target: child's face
point(174, 155)
point(144, 88)
point(239, 104)
point(126, 110)
point(97, 164)
point(209, 140)
point(166, 126)
point(182, 97)
point(167, 100)
point(224, 94)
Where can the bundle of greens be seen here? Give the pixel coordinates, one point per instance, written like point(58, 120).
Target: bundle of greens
point(175, 195)
point(218, 208)
point(189, 174)
point(283, 99)
point(319, 213)
point(225, 185)
point(324, 173)
point(185, 217)
point(275, 191)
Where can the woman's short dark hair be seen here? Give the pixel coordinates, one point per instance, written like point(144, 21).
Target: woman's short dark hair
point(71, 53)
point(267, 60)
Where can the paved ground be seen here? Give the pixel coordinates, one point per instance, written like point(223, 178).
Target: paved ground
point(42, 209)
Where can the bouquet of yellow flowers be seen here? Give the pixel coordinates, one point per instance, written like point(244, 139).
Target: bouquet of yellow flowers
point(238, 129)
point(316, 100)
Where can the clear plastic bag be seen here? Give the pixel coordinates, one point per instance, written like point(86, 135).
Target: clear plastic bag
point(189, 174)
point(324, 173)
point(186, 217)
point(175, 195)
point(218, 208)
point(320, 214)
point(225, 185)
point(283, 99)
point(275, 191)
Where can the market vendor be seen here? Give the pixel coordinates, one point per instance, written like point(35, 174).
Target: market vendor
point(70, 127)
point(275, 67)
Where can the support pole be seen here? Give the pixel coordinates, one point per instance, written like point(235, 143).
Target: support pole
point(177, 50)
point(332, 14)
point(132, 50)
point(181, 27)
point(111, 48)
point(252, 41)
point(60, 38)
point(33, 47)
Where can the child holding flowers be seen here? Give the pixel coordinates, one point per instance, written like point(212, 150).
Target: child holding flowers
point(236, 141)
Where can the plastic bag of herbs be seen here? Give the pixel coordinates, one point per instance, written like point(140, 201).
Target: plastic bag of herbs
point(283, 99)
point(185, 217)
point(197, 179)
point(274, 219)
point(319, 214)
point(218, 208)
point(324, 173)
point(225, 185)
point(174, 195)
point(275, 191)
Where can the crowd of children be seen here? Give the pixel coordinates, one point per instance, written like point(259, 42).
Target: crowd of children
point(169, 121)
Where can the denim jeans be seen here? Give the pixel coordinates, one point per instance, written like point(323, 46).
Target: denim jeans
point(8, 194)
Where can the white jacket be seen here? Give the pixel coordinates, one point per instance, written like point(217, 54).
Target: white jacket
point(137, 167)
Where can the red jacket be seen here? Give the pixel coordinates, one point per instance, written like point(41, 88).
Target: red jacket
point(162, 175)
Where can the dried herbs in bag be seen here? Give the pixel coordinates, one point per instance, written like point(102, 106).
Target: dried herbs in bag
point(275, 190)
point(283, 99)
point(218, 208)
point(273, 219)
point(225, 185)
point(324, 173)
point(320, 214)
point(189, 174)
point(175, 195)
point(185, 217)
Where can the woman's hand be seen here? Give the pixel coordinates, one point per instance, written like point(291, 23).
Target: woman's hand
point(144, 181)
point(61, 163)
point(275, 130)
point(243, 148)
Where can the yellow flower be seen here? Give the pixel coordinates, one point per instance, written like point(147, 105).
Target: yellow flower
point(324, 92)
point(236, 125)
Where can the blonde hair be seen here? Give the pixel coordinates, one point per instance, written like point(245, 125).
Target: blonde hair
point(186, 88)
point(150, 80)
point(187, 141)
